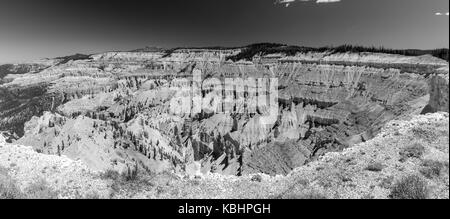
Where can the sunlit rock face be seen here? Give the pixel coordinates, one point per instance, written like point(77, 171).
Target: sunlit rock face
point(113, 110)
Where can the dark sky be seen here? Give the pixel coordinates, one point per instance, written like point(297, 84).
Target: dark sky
point(33, 29)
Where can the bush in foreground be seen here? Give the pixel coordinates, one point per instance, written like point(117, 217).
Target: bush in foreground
point(130, 175)
point(9, 189)
point(304, 195)
point(414, 151)
point(410, 187)
point(432, 169)
point(39, 189)
point(375, 167)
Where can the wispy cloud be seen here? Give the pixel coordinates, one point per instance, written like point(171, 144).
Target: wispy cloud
point(327, 1)
point(441, 14)
point(288, 2)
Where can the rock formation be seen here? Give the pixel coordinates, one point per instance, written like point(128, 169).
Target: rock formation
point(113, 110)
point(439, 94)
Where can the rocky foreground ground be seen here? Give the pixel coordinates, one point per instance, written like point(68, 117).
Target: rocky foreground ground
point(408, 159)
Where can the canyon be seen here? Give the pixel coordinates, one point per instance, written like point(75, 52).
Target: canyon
point(112, 111)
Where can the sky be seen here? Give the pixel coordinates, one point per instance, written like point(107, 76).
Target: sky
point(35, 29)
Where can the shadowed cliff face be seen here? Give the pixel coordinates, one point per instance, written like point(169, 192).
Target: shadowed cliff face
point(439, 93)
point(10, 69)
point(112, 111)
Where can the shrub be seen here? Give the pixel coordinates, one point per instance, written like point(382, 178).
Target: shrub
point(3, 171)
point(375, 167)
point(386, 183)
point(256, 178)
point(424, 134)
point(410, 187)
point(414, 151)
point(36, 190)
point(40, 190)
point(9, 189)
point(195, 182)
point(130, 175)
point(431, 169)
point(92, 196)
point(311, 194)
point(110, 174)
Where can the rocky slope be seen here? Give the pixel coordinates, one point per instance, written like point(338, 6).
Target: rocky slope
point(112, 110)
point(415, 148)
point(69, 178)
point(367, 170)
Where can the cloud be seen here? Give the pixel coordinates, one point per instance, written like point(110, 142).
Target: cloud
point(288, 2)
point(327, 1)
point(441, 14)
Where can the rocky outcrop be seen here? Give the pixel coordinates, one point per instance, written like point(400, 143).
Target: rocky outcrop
point(81, 138)
point(439, 94)
point(275, 158)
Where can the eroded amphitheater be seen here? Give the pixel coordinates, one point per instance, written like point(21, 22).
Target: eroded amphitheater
point(78, 117)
